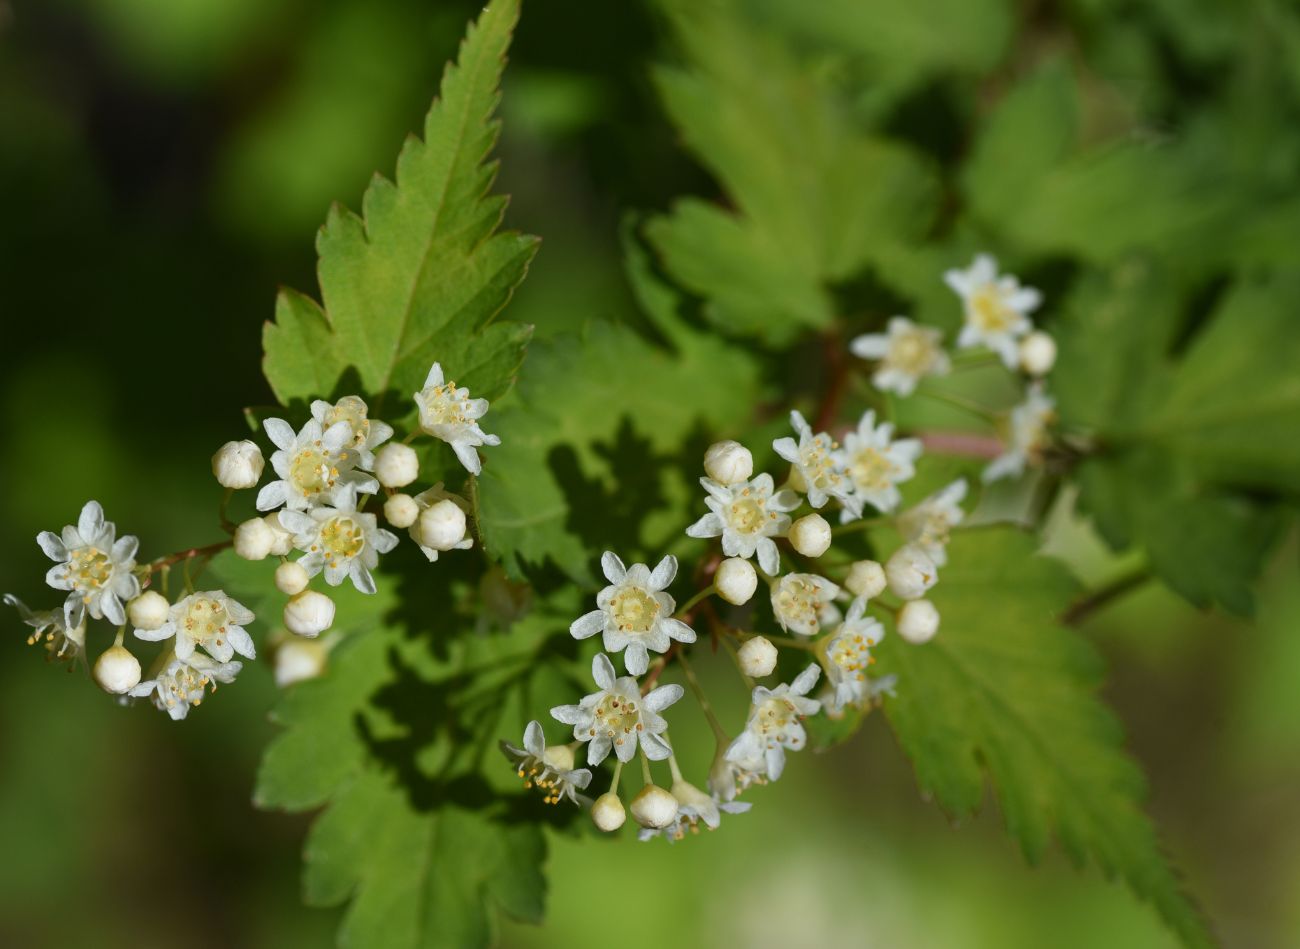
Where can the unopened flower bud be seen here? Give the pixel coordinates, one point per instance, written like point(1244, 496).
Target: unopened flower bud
point(441, 526)
point(910, 572)
point(1037, 353)
point(117, 671)
point(654, 807)
point(291, 577)
point(736, 580)
point(238, 464)
point(918, 621)
point(254, 539)
point(148, 611)
point(728, 462)
point(282, 541)
point(297, 660)
point(607, 812)
point(309, 613)
point(396, 465)
point(811, 535)
point(401, 510)
point(866, 578)
point(757, 657)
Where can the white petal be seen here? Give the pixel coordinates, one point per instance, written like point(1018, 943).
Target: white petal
point(534, 739)
point(90, 520)
point(468, 456)
point(602, 670)
point(598, 750)
point(589, 624)
point(569, 714)
point(662, 697)
point(664, 573)
point(165, 631)
point(655, 748)
point(636, 659)
point(678, 630)
point(870, 346)
point(273, 495)
point(710, 525)
point(787, 448)
point(54, 548)
point(612, 567)
point(769, 558)
point(280, 433)
point(435, 377)
point(806, 680)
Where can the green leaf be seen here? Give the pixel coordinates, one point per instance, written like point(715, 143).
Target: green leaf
point(814, 196)
point(1193, 452)
point(593, 451)
point(421, 275)
point(1006, 696)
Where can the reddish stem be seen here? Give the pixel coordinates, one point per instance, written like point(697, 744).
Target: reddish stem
point(961, 443)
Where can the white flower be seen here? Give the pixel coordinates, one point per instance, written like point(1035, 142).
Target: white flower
point(801, 602)
point(693, 808)
point(548, 769)
point(94, 568)
point(736, 580)
point(184, 682)
point(449, 413)
point(367, 433)
point(997, 308)
point(776, 723)
point(747, 516)
point(316, 466)
point(757, 657)
point(848, 653)
point(619, 717)
point(928, 524)
point(730, 776)
point(209, 619)
point(634, 612)
point(51, 627)
point(1027, 437)
point(911, 572)
point(342, 543)
point(1037, 353)
point(728, 462)
point(816, 460)
point(876, 464)
point(427, 499)
point(907, 353)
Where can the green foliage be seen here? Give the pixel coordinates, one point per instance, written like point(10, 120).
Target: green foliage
point(592, 451)
point(421, 275)
point(1004, 695)
point(1193, 446)
point(815, 198)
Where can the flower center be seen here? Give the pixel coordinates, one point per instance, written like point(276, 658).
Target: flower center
point(343, 538)
point(443, 405)
point(616, 716)
point(989, 312)
point(776, 720)
point(748, 516)
point(311, 472)
point(911, 352)
point(634, 610)
point(91, 568)
point(871, 470)
point(819, 464)
point(797, 602)
point(205, 620)
point(849, 654)
point(352, 410)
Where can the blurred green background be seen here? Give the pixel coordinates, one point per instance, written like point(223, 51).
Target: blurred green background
point(164, 165)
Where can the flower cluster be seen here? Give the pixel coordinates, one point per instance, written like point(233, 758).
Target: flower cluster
point(325, 473)
point(775, 530)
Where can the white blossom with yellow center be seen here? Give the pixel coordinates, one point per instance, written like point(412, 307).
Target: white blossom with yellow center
point(619, 717)
point(1027, 436)
point(802, 602)
point(876, 464)
point(996, 308)
point(929, 524)
point(776, 723)
point(906, 353)
point(93, 566)
point(816, 464)
point(50, 629)
point(209, 619)
point(427, 499)
point(634, 613)
point(185, 682)
point(316, 466)
point(344, 544)
point(848, 655)
point(694, 807)
point(367, 433)
point(747, 515)
point(548, 769)
point(447, 412)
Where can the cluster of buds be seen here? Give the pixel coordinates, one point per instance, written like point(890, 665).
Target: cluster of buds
point(315, 508)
